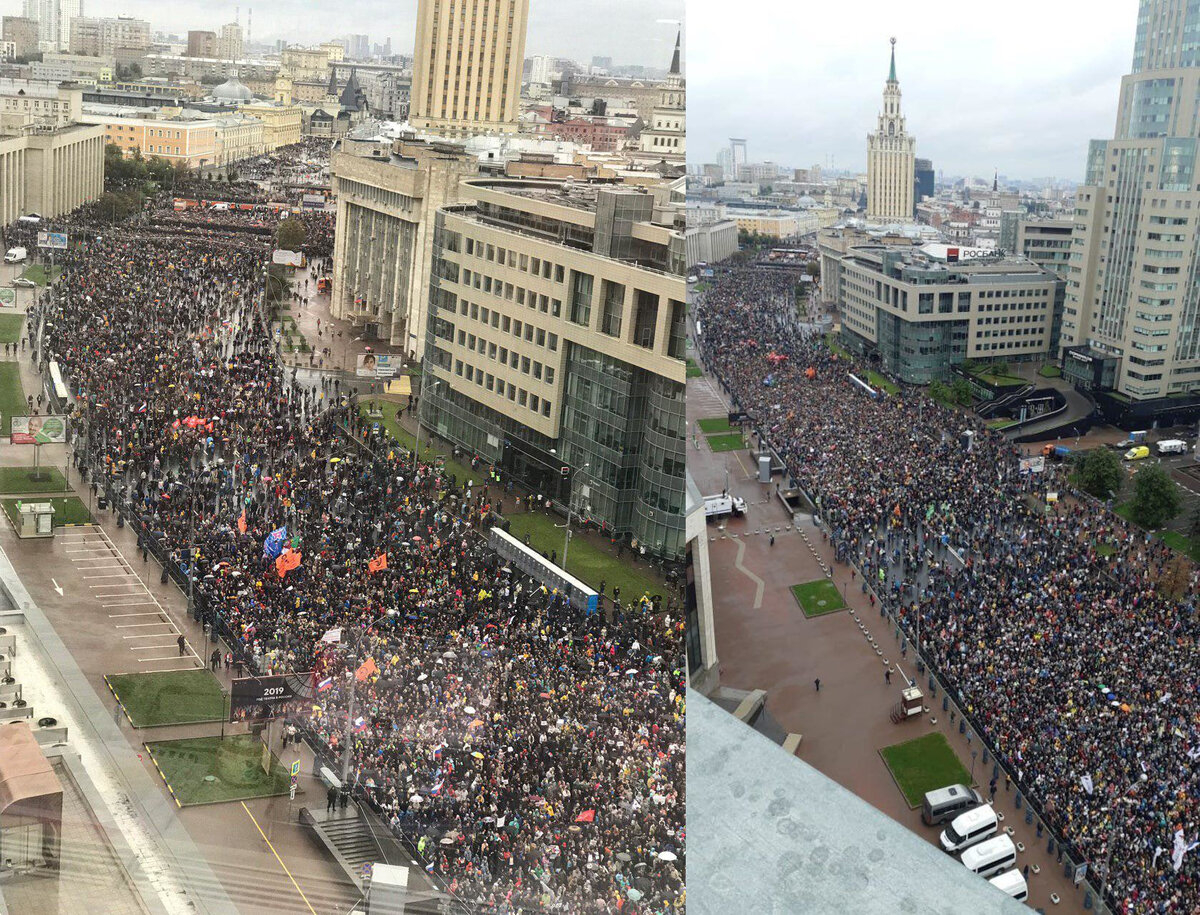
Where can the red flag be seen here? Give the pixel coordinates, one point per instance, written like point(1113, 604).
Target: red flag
point(369, 667)
point(287, 560)
point(377, 564)
point(588, 816)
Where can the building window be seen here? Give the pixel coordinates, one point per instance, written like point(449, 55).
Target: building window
point(581, 297)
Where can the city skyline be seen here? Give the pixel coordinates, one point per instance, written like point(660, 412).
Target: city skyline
point(629, 33)
point(967, 100)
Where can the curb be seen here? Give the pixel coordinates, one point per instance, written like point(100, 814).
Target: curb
point(158, 768)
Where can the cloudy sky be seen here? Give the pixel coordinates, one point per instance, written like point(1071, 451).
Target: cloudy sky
point(625, 30)
point(1019, 86)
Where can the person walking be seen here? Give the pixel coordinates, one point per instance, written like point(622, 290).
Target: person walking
point(331, 798)
point(817, 684)
point(182, 644)
point(887, 676)
point(215, 661)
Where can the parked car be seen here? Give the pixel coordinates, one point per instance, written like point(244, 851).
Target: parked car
point(24, 283)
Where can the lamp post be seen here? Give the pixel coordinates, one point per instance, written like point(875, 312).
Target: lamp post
point(570, 510)
point(417, 449)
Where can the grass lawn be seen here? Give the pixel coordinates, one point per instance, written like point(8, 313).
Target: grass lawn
point(817, 598)
point(12, 396)
point(1050, 371)
point(10, 328)
point(922, 765)
point(693, 370)
point(1001, 423)
point(716, 424)
point(462, 472)
point(213, 770)
point(880, 381)
point(831, 342)
point(40, 274)
point(730, 442)
point(586, 562)
point(1105, 550)
point(174, 697)
point(1002, 381)
point(20, 479)
point(67, 510)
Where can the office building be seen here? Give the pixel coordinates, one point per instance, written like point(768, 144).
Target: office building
point(358, 47)
point(282, 124)
point(229, 42)
point(23, 33)
point(48, 170)
point(201, 43)
point(555, 347)
point(384, 238)
point(1044, 240)
point(104, 37)
point(467, 66)
point(923, 178)
point(710, 242)
point(891, 159)
point(923, 310)
point(1131, 329)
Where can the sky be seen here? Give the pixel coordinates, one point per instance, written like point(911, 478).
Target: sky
point(625, 30)
point(1020, 87)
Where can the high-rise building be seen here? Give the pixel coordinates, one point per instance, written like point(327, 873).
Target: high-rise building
point(923, 180)
point(23, 33)
point(201, 43)
point(1131, 327)
point(666, 137)
point(891, 159)
point(54, 21)
point(104, 37)
point(558, 354)
point(358, 47)
point(229, 42)
point(467, 64)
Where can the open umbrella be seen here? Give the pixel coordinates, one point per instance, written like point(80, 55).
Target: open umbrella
point(667, 856)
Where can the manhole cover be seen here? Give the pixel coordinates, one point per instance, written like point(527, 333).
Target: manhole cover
point(821, 603)
point(210, 778)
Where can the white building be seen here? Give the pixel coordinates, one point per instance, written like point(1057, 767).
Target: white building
point(54, 21)
point(891, 159)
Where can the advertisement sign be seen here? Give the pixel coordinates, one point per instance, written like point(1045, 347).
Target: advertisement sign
point(1080, 872)
point(52, 240)
point(264, 698)
point(377, 365)
point(8, 297)
point(38, 430)
point(1033, 464)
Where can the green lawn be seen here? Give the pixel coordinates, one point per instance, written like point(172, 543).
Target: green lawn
point(1050, 371)
point(817, 598)
point(693, 370)
point(880, 381)
point(67, 509)
point(1001, 423)
point(12, 396)
point(462, 472)
point(1104, 550)
point(214, 770)
point(716, 424)
point(10, 328)
point(173, 697)
point(20, 479)
point(831, 342)
point(586, 562)
point(731, 442)
point(924, 764)
point(40, 274)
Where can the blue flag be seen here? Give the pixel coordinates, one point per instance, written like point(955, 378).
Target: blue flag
point(273, 545)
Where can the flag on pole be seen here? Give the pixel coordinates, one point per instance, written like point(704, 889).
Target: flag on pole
point(333, 635)
point(588, 816)
point(360, 724)
point(377, 564)
point(437, 789)
point(368, 667)
point(273, 545)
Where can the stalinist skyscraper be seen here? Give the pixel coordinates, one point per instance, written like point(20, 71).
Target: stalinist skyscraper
point(891, 157)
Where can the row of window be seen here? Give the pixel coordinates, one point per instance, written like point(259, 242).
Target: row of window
point(507, 257)
point(509, 292)
point(508, 324)
point(511, 358)
point(501, 388)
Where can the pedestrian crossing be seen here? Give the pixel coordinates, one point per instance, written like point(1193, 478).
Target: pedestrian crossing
point(145, 628)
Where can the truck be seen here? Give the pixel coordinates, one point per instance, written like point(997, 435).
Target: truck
point(1056, 452)
point(1172, 446)
point(722, 505)
point(15, 255)
point(1134, 439)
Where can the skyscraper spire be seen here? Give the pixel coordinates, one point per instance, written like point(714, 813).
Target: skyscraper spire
point(892, 71)
point(675, 57)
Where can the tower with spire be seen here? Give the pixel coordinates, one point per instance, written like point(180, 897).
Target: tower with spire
point(666, 135)
point(891, 159)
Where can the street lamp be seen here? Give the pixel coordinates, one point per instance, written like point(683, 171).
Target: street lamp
point(417, 449)
point(570, 511)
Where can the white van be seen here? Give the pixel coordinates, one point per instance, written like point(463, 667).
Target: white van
point(1012, 883)
point(969, 829)
point(991, 857)
point(722, 505)
point(15, 255)
point(1172, 446)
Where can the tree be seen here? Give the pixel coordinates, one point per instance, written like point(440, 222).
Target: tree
point(1194, 524)
point(290, 236)
point(813, 269)
point(1156, 498)
point(1177, 577)
point(1099, 473)
point(960, 390)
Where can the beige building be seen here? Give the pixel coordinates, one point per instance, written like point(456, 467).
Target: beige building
point(192, 142)
point(555, 347)
point(49, 172)
point(23, 33)
point(238, 137)
point(229, 42)
point(891, 159)
point(281, 123)
point(310, 63)
point(46, 103)
point(201, 43)
point(384, 240)
point(58, 67)
point(467, 66)
point(103, 37)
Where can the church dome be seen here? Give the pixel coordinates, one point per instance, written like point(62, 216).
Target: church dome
point(232, 90)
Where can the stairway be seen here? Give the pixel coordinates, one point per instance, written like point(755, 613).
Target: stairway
point(348, 838)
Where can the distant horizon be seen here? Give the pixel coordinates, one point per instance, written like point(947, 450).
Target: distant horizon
point(801, 86)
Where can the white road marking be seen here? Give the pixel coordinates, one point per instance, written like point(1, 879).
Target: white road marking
point(113, 616)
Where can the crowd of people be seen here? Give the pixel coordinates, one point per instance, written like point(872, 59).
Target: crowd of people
point(533, 755)
point(1054, 627)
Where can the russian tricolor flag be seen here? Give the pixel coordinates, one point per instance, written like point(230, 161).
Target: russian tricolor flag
point(325, 684)
point(360, 724)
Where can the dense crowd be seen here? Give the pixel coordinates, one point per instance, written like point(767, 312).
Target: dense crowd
point(1054, 628)
point(532, 754)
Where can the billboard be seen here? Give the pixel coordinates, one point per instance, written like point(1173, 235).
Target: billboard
point(1033, 464)
point(38, 430)
point(376, 365)
point(264, 698)
point(288, 258)
point(52, 240)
